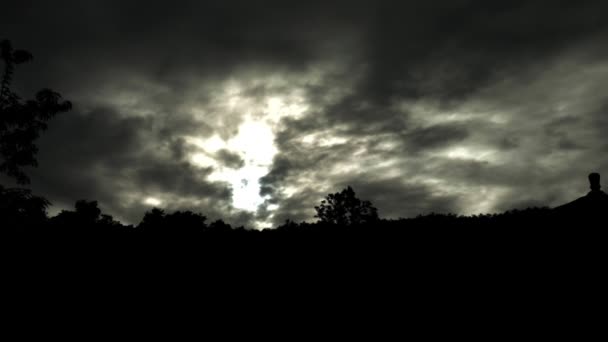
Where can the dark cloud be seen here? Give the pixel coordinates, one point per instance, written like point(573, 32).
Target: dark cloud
point(117, 161)
point(449, 50)
point(230, 159)
point(435, 136)
point(298, 207)
point(421, 105)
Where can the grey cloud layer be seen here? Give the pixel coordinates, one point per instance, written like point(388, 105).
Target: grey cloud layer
point(432, 105)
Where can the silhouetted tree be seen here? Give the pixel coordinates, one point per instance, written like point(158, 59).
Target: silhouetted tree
point(219, 226)
point(86, 215)
point(18, 207)
point(186, 221)
point(153, 220)
point(22, 121)
point(179, 221)
point(345, 209)
point(107, 221)
point(88, 211)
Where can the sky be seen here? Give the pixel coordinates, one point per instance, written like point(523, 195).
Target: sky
point(253, 111)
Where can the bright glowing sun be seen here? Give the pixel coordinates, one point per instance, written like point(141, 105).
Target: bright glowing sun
point(254, 143)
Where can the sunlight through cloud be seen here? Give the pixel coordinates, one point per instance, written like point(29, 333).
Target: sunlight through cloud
point(152, 201)
point(469, 153)
point(253, 141)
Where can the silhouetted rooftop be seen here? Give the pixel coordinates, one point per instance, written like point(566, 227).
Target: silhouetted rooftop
point(594, 203)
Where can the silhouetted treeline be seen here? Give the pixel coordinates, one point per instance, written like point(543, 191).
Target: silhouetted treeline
point(338, 214)
point(25, 212)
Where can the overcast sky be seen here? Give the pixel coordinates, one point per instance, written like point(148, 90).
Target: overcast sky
point(254, 110)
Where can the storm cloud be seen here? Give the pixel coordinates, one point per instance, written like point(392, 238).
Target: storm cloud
point(254, 110)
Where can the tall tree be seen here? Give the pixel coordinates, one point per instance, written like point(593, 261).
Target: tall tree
point(345, 209)
point(22, 121)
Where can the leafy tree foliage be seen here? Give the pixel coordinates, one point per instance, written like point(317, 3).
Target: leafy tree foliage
point(345, 209)
point(22, 121)
point(20, 207)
